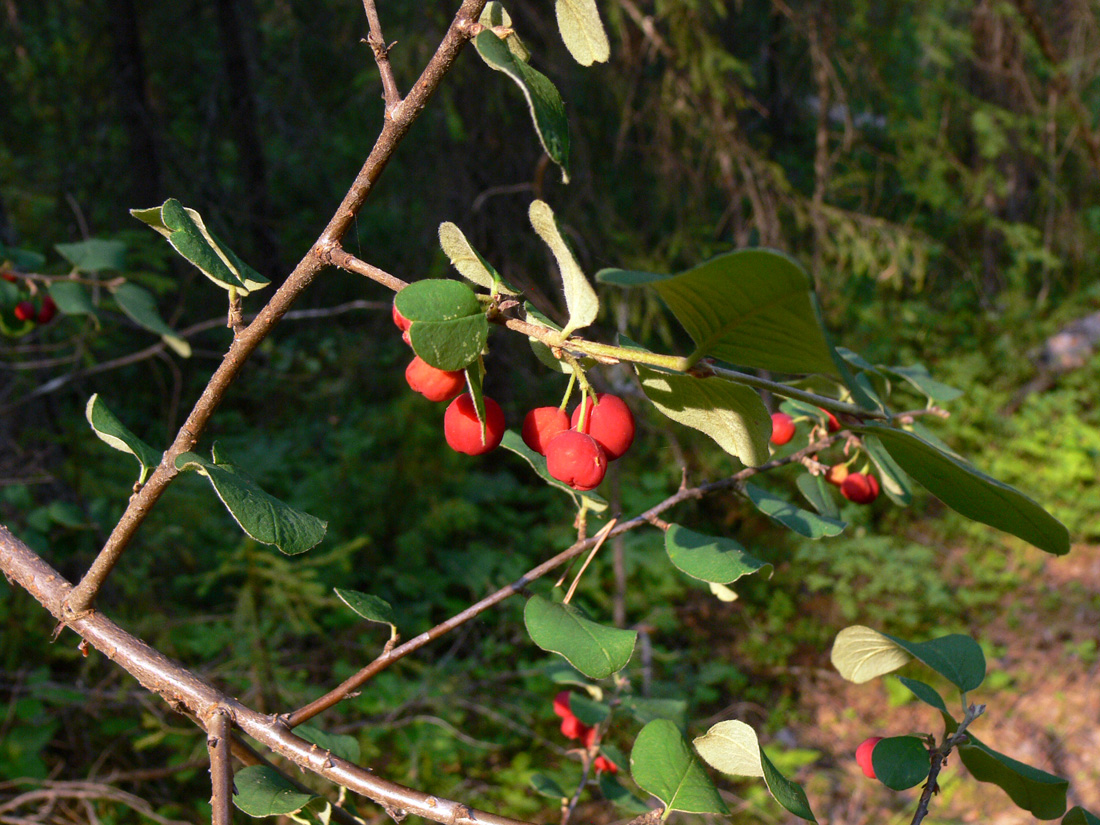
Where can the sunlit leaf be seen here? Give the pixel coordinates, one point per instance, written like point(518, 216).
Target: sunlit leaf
point(972, 493)
point(595, 650)
point(468, 261)
point(709, 558)
point(662, 764)
point(371, 608)
point(861, 654)
point(449, 329)
point(262, 516)
point(582, 32)
point(494, 15)
point(732, 414)
point(262, 791)
point(580, 298)
point(115, 433)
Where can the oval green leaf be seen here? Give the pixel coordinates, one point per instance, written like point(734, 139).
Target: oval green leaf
point(593, 649)
point(371, 608)
point(957, 658)
point(803, 522)
point(1040, 793)
point(861, 654)
point(262, 516)
point(338, 744)
point(709, 558)
point(901, 762)
point(926, 693)
point(816, 490)
point(919, 377)
point(543, 101)
point(437, 299)
point(543, 785)
point(140, 305)
point(263, 791)
point(787, 793)
point(450, 345)
point(72, 298)
point(114, 432)
point(895, 483)
point(1079, 816)
point(972, 493)
point(731, 414)
point(468, 261)
point(582, 31)
point(94, 255)
point(662, 764)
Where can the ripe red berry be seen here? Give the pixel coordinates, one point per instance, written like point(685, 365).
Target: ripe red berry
point(463, 430)
point(48, 310)
point(402, 322)
point(561, 704)
point(836, 474)
point(434, 384)
point(577, 459)
point(862, 488)
point(25, 311)
point(602, 763)
point(589, 738)
point(541, 425)
point(610, 422)
point(863, 756)
point(573, 728)
point(831, 423)
point(9, 277)
point(782, 428)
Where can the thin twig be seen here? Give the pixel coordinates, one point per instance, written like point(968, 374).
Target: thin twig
point(939, 756)
point(599, 537)
point(377, 43)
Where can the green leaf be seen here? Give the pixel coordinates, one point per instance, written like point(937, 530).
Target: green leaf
point(589, 711)
point(895, 483)
point(593, 649)
point(861, 654)
point(513, 442)
point(926, 693)
point(494, 15)
point(646, 709)
point(1079, 816)
point(803, 522)
point(263, 791)
point(185, 230)
point(662, 764)
point(582, 32)
point(94, 255)
point(25, 259)
point(752, 307)
point(262, 516)
point(733, 748)
point(543, 785)
point(114, 432)
point(972, 493)
point(901, 762)
point(816, 490)
point(580, 298)
point(371, 608)
point(1040, 793)
point(614, 792)
point(543, 101)
point(140, 305)
point(72, 298)
point(731, 414)
point(709, 558)
point(919, 377)
point(957, 658)
point(449, 329)
point(338, 744)
point(468, 261)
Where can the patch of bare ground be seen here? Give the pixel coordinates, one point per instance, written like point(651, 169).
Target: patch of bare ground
point(1042, 697)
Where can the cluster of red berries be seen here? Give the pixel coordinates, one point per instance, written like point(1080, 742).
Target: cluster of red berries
point(42, 314)
point(574, 728)
point(577, 454)
point(460, 423)
point(861, 488)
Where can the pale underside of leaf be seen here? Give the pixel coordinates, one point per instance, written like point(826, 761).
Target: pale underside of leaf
point(582, 31)
point(861, 654)
point(580, 297)
point(732, 748)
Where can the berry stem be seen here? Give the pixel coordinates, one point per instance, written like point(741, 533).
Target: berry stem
point(568, 390)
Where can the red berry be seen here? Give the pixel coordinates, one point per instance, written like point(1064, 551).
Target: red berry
point(434, 384)
point(610, 422)
point(863, 756)
point(831, 424)
point(402, 322)
point(25, 311)
point(48, 310)
point(9, 277)
point(860, 487)
point(463, 430)
point(541, 425)
point(836, 474)
point(782, 428)
point(577, 459)
point(573, 728)
point(602, 763)
point(589, 738)
point(561, 704)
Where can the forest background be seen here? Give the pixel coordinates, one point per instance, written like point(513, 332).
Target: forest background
point(935, 166)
